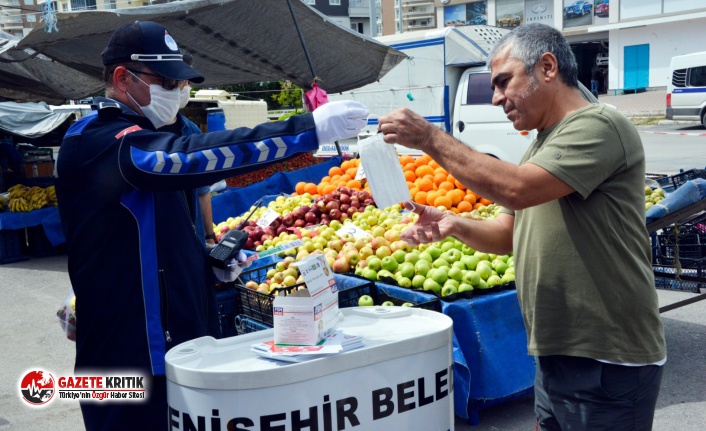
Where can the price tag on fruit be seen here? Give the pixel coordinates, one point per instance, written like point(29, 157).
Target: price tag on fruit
point(355, 231)
point(360, 175)
point(267, 218)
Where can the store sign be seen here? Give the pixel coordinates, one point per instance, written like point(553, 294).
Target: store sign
point(539, 11)
point(409, 393)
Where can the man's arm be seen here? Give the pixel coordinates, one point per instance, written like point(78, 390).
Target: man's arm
point(514, 187)
point(492, 236)
point(207, 217)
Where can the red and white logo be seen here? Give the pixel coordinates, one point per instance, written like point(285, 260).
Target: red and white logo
point(37, 387)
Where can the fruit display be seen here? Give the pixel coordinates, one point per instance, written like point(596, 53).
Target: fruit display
point(338, 218)
point(299, 161)
point(652, 196)
point(21, 198)
point(67, 317)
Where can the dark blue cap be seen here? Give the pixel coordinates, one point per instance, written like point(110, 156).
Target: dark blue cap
point(151, 44)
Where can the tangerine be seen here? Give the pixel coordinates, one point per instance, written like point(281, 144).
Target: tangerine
point(439, 178)
point(485, 201)
point(420, 198)
point(354, 184)
point(335, 170)
point(425, 185)
point(456, 196)
point(299, 188)
point(404, 160)
point(443, 201)
point(464, 207)
point(310, 188)
point(447, 185)
point(423, 170)
point(410, 176)
point(431, 197)
point(470, 198)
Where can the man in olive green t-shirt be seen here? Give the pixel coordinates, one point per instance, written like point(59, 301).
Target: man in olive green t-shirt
point(574, 216)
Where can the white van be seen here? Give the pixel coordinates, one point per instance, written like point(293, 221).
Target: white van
point(686, 90)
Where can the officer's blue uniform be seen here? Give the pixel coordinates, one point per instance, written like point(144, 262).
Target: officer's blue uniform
point(139, 272)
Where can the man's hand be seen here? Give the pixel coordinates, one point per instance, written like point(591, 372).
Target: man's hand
point(432, 225)
point(405, 127)
point(235, 267)
point(339, 120)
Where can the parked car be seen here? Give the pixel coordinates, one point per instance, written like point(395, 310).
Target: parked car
point(478, 20)
point(602, 59)
point(579, 8)
point(602, 9)
point(509, 21)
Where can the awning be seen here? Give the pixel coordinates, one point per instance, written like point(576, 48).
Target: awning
point(31, 120)
point(232, 42)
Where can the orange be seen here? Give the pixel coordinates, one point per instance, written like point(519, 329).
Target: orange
point(310, 188)
point(477, 205)
point(413, 191)
point(329, 188)
point(424, 170)
point(325, 179)
point(470, 198)
point(433, 163)
point(458, 185)
point(354, 184)
point(454, 210)
point(335, 171)
point(335, 178)
point(431, 197)
point(406, 159)
point(410, 184)
point(424, 185)
point(410, 176)
point(441, 170)
point(410, 167)
point(456, 196)
point(444, 201)
point(347, 165)
point(464, 207)
point(420, 198)
point(447, 185)
point(485, 201)
point(352, 171)
point(346, 177)
point(439, 178)
point(299, 188)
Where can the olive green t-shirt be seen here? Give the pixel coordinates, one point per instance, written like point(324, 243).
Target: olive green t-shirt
point(584, 271)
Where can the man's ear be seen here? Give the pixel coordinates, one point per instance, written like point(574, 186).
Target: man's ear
point(549, 66)
point(120, 77)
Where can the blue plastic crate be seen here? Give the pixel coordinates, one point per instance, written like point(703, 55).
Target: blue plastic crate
point(10, 246)
point(226, 304)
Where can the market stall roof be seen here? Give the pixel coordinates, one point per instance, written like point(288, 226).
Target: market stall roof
point(30, 120)
point(232, 41)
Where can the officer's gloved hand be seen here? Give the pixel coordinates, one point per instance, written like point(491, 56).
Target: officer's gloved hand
point(339, 120)
point(235, 267)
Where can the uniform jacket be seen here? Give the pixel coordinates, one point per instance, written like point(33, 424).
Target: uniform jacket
point(138, 269)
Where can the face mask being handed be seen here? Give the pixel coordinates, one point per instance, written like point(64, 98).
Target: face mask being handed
point(185, 93)
point(163, 106)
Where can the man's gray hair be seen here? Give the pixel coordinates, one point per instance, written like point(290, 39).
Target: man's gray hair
point(529, 42)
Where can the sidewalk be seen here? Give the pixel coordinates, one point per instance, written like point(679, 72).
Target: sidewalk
point(645, 104)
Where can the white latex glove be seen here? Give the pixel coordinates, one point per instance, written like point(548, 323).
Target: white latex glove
point(235, 265)
point(339, 120)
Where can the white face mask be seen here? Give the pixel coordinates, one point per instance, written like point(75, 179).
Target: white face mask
point(163, 106)
point(185, 93)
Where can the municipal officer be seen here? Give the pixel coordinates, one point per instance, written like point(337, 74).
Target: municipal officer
point(139, 271)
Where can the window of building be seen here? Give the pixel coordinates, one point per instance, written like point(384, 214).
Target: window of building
point(29, 2)
point(112, 4)
point(357, 26)
point(31, 17)
point(479, 91)
point(334, 2)
point(311, 2)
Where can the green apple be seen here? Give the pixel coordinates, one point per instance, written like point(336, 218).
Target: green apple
point(453, 255)
point(465, 287)
point(383, 251)
point(460, 265)
point(467, 250)
point(500, 267)
point(507, 277)
point(455, 273)
point(438, 263)
point(422, 267)
point(431, 286)
point(451, 282)
point(440, 275)
point(389, 263)
point(370, 274)
point(470, 261)
point(472, 278)
point(404, 282)
point(485, 271)
point(399, 255)
point(482, 285)
point(406, 269)
point(411, 257)
point(418, 281)
point(448, 291)
point(365, 301)
point(425, 255)
point(434, 251)
point(446, 246)
point(480, 255)
point(388, 304)
point(407, 304)
point(374, 263)
point(493, 281)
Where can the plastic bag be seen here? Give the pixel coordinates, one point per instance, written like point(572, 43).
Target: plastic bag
point(66, 315)
point(315, 97)
point(383, 171)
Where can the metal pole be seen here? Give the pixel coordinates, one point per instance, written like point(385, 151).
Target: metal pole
point(301, 39)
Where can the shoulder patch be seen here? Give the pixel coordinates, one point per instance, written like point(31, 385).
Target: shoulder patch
point(130, 129)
